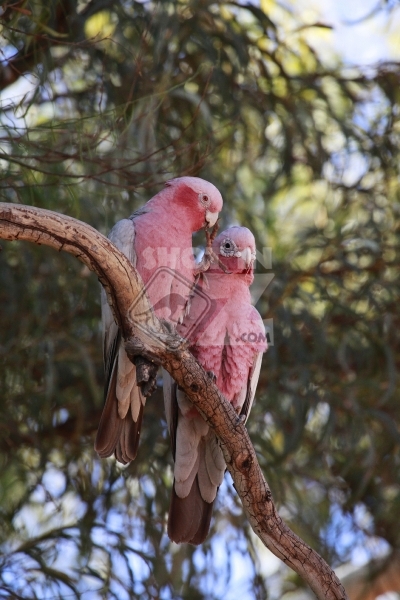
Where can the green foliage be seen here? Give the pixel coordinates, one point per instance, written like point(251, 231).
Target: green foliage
point(122, 96)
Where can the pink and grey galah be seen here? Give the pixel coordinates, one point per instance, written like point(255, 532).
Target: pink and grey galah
point(157, 239)
point(227, 336)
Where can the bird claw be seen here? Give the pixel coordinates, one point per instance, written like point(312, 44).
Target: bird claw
point(146, 375)
point(149, 387)
point(212, 376)
point(168, 326)
point(203, 265)
point(240, 420)
point(209, 254)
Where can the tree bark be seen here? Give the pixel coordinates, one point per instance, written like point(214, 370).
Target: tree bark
point(147, 335)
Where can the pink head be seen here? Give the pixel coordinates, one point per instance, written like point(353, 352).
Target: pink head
point(236, 251)
point(198, 201)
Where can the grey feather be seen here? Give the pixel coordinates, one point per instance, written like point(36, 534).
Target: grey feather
point(195, 482)
point(171, 407)
point(184, 485)
point(118, 431)
point(208, 490)
point(199, 462)
point(252, 385)
point(189, 518)
point(214, 460)
point(140, 211)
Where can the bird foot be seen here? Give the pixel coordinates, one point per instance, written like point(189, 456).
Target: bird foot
point(209, 254)
point(240, 420)
point(168, 326)
point(146, 375)
point(212, 376)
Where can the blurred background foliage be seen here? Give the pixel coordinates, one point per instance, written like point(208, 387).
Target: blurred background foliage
point(101, 102)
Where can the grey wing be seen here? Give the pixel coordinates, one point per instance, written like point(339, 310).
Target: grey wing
point(249, 390)
point(171, 406)
point(122, 235)
point(119, 428)
point(198, 471)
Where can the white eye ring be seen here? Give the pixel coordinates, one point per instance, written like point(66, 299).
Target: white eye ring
point(204, 199)
point(228, 248)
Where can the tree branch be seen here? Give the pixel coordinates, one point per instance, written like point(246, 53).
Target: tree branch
point(145, 334)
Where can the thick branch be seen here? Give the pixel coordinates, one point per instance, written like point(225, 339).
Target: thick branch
point(117, 275)
point(144, 333)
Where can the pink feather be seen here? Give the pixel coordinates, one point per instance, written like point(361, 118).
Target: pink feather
point(228, 340)
point(158, 241)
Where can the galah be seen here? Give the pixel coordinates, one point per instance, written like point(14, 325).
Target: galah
point(228, 339)
point(157, 239)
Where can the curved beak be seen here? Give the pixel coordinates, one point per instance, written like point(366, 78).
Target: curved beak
point(247, 256)
point(211, 218)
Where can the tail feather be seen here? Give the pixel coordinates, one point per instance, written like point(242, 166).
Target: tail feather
point(183, 487)
point(189, 518)
point(207, 489)
point(126, 380)
point(115, 435)
point(110, 425)
point(137, 401)
point(214, 459)
point(128, 443)
point(197, 470)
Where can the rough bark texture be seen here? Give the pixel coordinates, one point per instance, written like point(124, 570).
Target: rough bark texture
point(146, 335)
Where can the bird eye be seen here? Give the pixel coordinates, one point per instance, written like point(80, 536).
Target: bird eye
point(204, 199)
point(228, 248)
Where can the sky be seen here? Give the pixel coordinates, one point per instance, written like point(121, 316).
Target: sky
point(356, 39)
